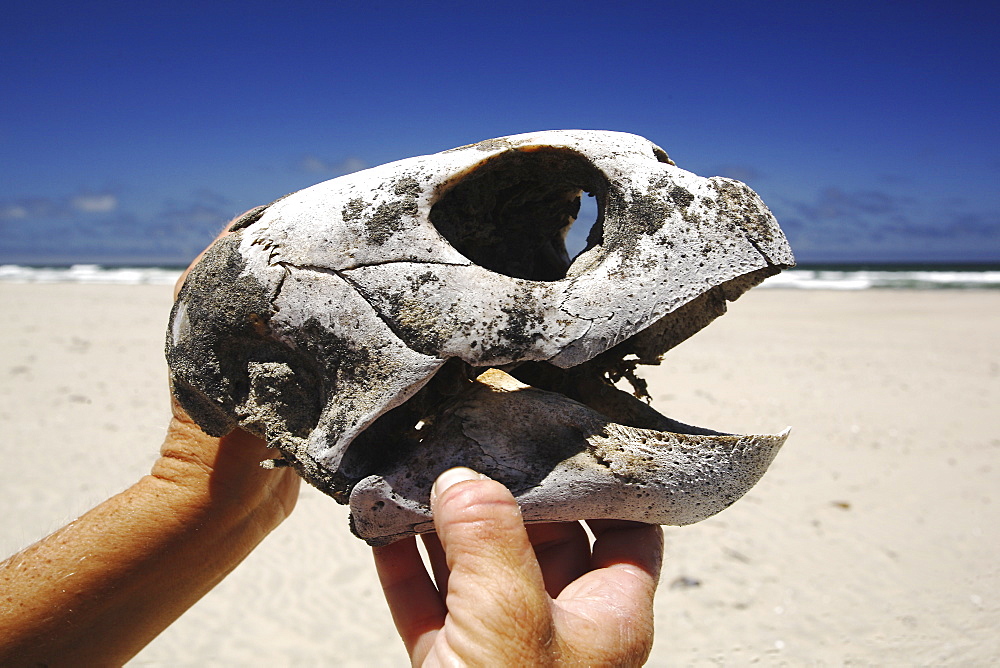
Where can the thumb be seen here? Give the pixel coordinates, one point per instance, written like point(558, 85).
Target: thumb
point(496, 599)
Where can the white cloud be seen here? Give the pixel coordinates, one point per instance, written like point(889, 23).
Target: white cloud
point(102, 203)
point(351, 164)
point(312, 163)
point(26, 208)
point(12, 211)
point(317, 165)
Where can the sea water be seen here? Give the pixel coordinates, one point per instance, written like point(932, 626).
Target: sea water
point(90, 273)
point(804, 277)
point(865, 277)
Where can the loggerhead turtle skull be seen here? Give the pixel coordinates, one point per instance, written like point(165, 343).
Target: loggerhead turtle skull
point(383, 326)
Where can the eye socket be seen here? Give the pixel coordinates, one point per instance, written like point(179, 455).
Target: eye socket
point(512, 213)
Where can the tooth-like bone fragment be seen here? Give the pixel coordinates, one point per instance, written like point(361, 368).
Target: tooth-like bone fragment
point(336, 320)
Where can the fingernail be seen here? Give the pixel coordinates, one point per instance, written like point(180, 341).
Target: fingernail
point(453, 477)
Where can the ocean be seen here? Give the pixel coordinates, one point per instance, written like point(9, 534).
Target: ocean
point(803, 277)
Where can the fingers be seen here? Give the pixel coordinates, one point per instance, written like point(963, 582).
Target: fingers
point(479, 524)
point(561, 548)
point(439, 564)
point(627, 557)
point(618, 542)
point(498, 608)
point(416, 607)
point(563, 553)
point(606, 615)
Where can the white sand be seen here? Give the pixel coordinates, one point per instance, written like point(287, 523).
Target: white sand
point(868, 542)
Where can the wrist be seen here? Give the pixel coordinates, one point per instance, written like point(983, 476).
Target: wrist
point(137, 561)
point(220, 479)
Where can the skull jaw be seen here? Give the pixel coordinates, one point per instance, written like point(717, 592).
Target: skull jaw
point(563, 461)
point(256, 341)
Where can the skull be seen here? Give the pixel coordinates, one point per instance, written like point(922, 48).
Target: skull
point(386, 325)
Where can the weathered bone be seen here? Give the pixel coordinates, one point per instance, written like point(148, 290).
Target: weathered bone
point(334, 320)
point(563, 461)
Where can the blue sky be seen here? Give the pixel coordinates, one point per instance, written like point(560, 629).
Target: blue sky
point(130, 132)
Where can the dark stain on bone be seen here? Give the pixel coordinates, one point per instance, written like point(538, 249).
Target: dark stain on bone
point(518, 334)
point(740, 205)
point(413, 321)
point(633, 215)
point(353, 210)
point(407, 185)
point(228, 354)
point(388, 218)
point(682, 197)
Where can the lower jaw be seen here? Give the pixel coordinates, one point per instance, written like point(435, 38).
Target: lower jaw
point(564, 461)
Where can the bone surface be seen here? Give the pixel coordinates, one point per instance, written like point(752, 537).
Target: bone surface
point(339, 319)
point(563, 461)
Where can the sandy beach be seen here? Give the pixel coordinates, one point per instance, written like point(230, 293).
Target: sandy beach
point(867, 543)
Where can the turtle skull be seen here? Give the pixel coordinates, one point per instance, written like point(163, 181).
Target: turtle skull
point(389, 324)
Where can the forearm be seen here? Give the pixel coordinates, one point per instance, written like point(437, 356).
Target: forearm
point(98, 590)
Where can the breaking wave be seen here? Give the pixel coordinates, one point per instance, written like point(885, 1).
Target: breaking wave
point(90, 273)
point(928, 277)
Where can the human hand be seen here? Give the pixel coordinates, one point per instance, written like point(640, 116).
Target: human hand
point(508, 594)
point(230, 465)
point(98, 590)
